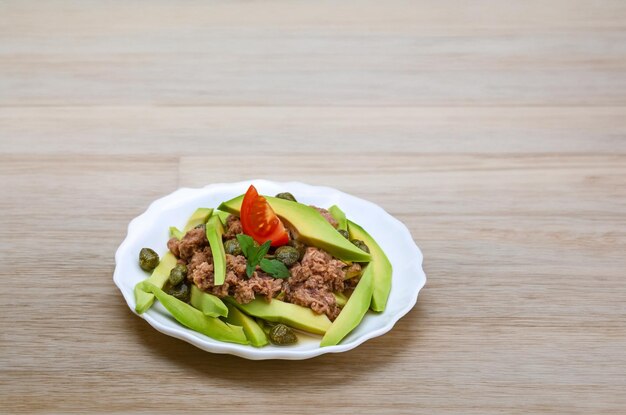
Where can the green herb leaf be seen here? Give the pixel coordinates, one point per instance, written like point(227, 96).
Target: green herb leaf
point(253, 254)
point(261, 251)
point(250, 269)
point(275, 268)
point(246, 243)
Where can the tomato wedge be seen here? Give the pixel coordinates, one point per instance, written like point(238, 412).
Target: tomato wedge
point(259, 220)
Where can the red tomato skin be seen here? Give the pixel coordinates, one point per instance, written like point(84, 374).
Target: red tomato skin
point(254, 209)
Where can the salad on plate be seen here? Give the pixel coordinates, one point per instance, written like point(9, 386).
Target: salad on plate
point(258, 270)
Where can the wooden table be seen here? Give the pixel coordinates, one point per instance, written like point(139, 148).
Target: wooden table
point(495, 130)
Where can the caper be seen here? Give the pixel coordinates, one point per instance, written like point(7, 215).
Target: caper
point(344, 233)
point(299, 246)
point(232, 247)
point(286, 196)
point(281, 334)
point(148, 259)
point(181, 292)
point(288, 255)
point(178, 274)
point(361, 245)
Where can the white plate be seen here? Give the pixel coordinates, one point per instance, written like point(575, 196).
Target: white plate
point(151, 229)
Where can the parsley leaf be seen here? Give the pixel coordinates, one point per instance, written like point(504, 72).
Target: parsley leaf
point(275, 268)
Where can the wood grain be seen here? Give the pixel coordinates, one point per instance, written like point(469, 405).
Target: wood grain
point(368, 53)
point(495, 130)
point(186, 131)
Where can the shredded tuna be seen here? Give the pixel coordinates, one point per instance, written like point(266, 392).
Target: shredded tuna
point(193, 241)
point(200, 256)
point(259, 283)
point(320, 300)
point(202, 276)
point(313, 281)
point(227, 288)
point(233, 227)
point(237, 264)
point(236, 282)
point(172, 245)
point(321, 263)
point(326, 214)
point(351, 283)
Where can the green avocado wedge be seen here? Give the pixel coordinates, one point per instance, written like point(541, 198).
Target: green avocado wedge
point(143, 299)
point(339, 216)
point(311, 226)
point(222, 215)
point(353, 312)
point(196, 320)
point(199, 217)
point(176, 233)
point(293, 315)
point(341, 299)
point(209, 304)
point(255, 334)
point(380, 267)
point(214, 232)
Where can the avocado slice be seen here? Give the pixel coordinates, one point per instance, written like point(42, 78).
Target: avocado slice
point(214, 232)
point(222, 215)
point(381, 267)
point(340, 298)
point(311, 226)
point(209, 304)
point(371, 291)
point(176, 233)
point(195, 319)
point(353, 312)
point(199, 217)
point(293, 315)
point(339, 216)
point(254, 332)
point(143, 299)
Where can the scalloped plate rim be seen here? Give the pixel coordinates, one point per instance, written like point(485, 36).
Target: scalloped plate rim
point(205, 343)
